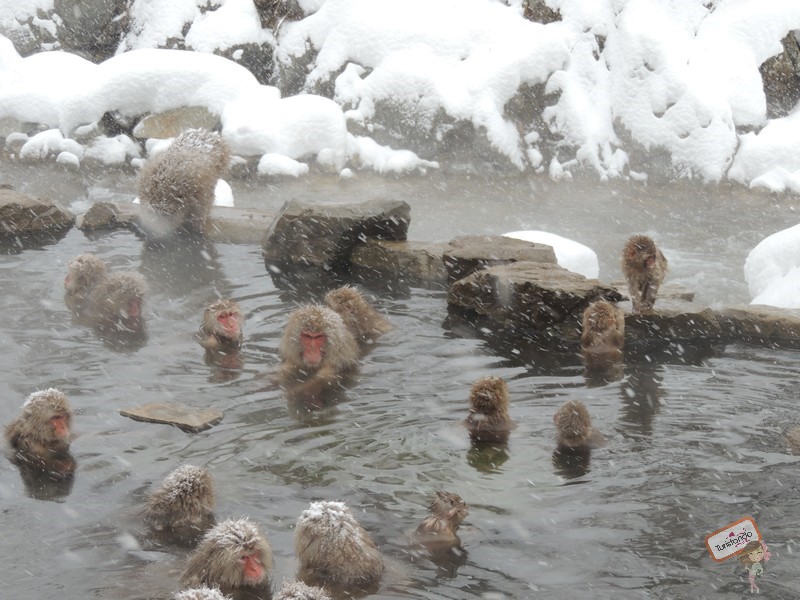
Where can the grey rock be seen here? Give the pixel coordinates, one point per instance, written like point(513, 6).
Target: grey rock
point(672, 320)
point(668, 291)
point(21, 214)
point(238, 226)
point(416, 262)
point(188, 419)
point(761, 324)
point(781, 77)
point(171, 123)
point(467, 254)
point(102, 215)
point(322, 235)
point(90, 27)
point(527, 295)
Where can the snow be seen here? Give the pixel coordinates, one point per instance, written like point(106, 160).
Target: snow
point(570, 254)
point(772, 269)
point(622, 77)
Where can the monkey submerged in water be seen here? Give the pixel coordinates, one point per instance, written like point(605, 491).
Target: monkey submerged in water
point(488, 420)
point(297, 590)
point(317, 351)
point(233, 556)
point(574, 427)
point(644, 267)
point(448, 510)
point(109, 302)
point(183, 503)
point(363, 321)
point(201, 593)
point(40, 435)
point(603, 334)
point(176, 186)
point(222, 326)
point(334, 549)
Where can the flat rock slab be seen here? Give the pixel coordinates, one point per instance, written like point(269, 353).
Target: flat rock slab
point(762, 324)
point(466, 254)
point(322, 235)
point(181, 416)
point(673, 320)
point(419, 262)
point(21, 214)
point(668, 291)
point(527, 294)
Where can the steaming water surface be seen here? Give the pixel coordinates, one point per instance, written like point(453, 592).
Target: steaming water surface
point(694, 439)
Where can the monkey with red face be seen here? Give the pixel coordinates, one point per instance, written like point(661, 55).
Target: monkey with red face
point(234, 556)
point(222, 326)
point(318, 352)
point(40, 435)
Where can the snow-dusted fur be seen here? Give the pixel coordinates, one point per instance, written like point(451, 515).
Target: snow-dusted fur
point(184, 499)
point(31, 433)
point(297, 590)
point(333, 547)
point(361, 318)
point(177, 185)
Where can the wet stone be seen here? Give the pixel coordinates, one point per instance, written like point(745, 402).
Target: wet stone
point(672, 319)
point(21, 214)
point(323, 235)
point(466, 254)
point(183, 417)
point(767, 325)
point(102, 215)
point(668, 291)
point(525, 294)
point(415, 262)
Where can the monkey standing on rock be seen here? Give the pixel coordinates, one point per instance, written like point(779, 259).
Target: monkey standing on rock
point(644, 267)
point(176, 186)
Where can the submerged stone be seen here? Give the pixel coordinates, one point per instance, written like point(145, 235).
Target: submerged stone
point(188, 419)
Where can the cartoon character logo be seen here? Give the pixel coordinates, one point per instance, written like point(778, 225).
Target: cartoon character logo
point(752, 555)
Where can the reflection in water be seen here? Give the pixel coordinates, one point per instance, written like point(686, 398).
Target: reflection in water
point(642, 394)
point(600, 373)
point(225, 364)
point(50, 481)
point(487, 458)
point(572, 463)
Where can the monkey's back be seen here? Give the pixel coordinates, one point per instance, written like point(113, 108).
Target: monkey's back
point(178, 183)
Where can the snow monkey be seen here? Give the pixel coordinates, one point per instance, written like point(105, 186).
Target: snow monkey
point(644, 267)
point(183, 503)
point(232, 556)
point(488, 420)
point(334, 549)
point(40, 435)
point(222, 325)
point(360, 317)
point(176, 186)
point(297, 590)
point(448, 510)
point(317, 351)
point(603, 334)
point(574, 427)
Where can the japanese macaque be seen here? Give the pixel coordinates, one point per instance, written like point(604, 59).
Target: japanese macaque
point(448, 510)
point(334, 549)
point(116, 302)
point(40, 435)
point(201, 593)
point(297, 590)
point(644, 267)
point(792, 439)
point(488, 420)
point(84, 272)
point(183, 503)
point(574, 427)
point(176, 186)
point(363, 321)
point(222, 326)
point(109, 302)
point(317, 351)
point(603, 335)
point(232, 556)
